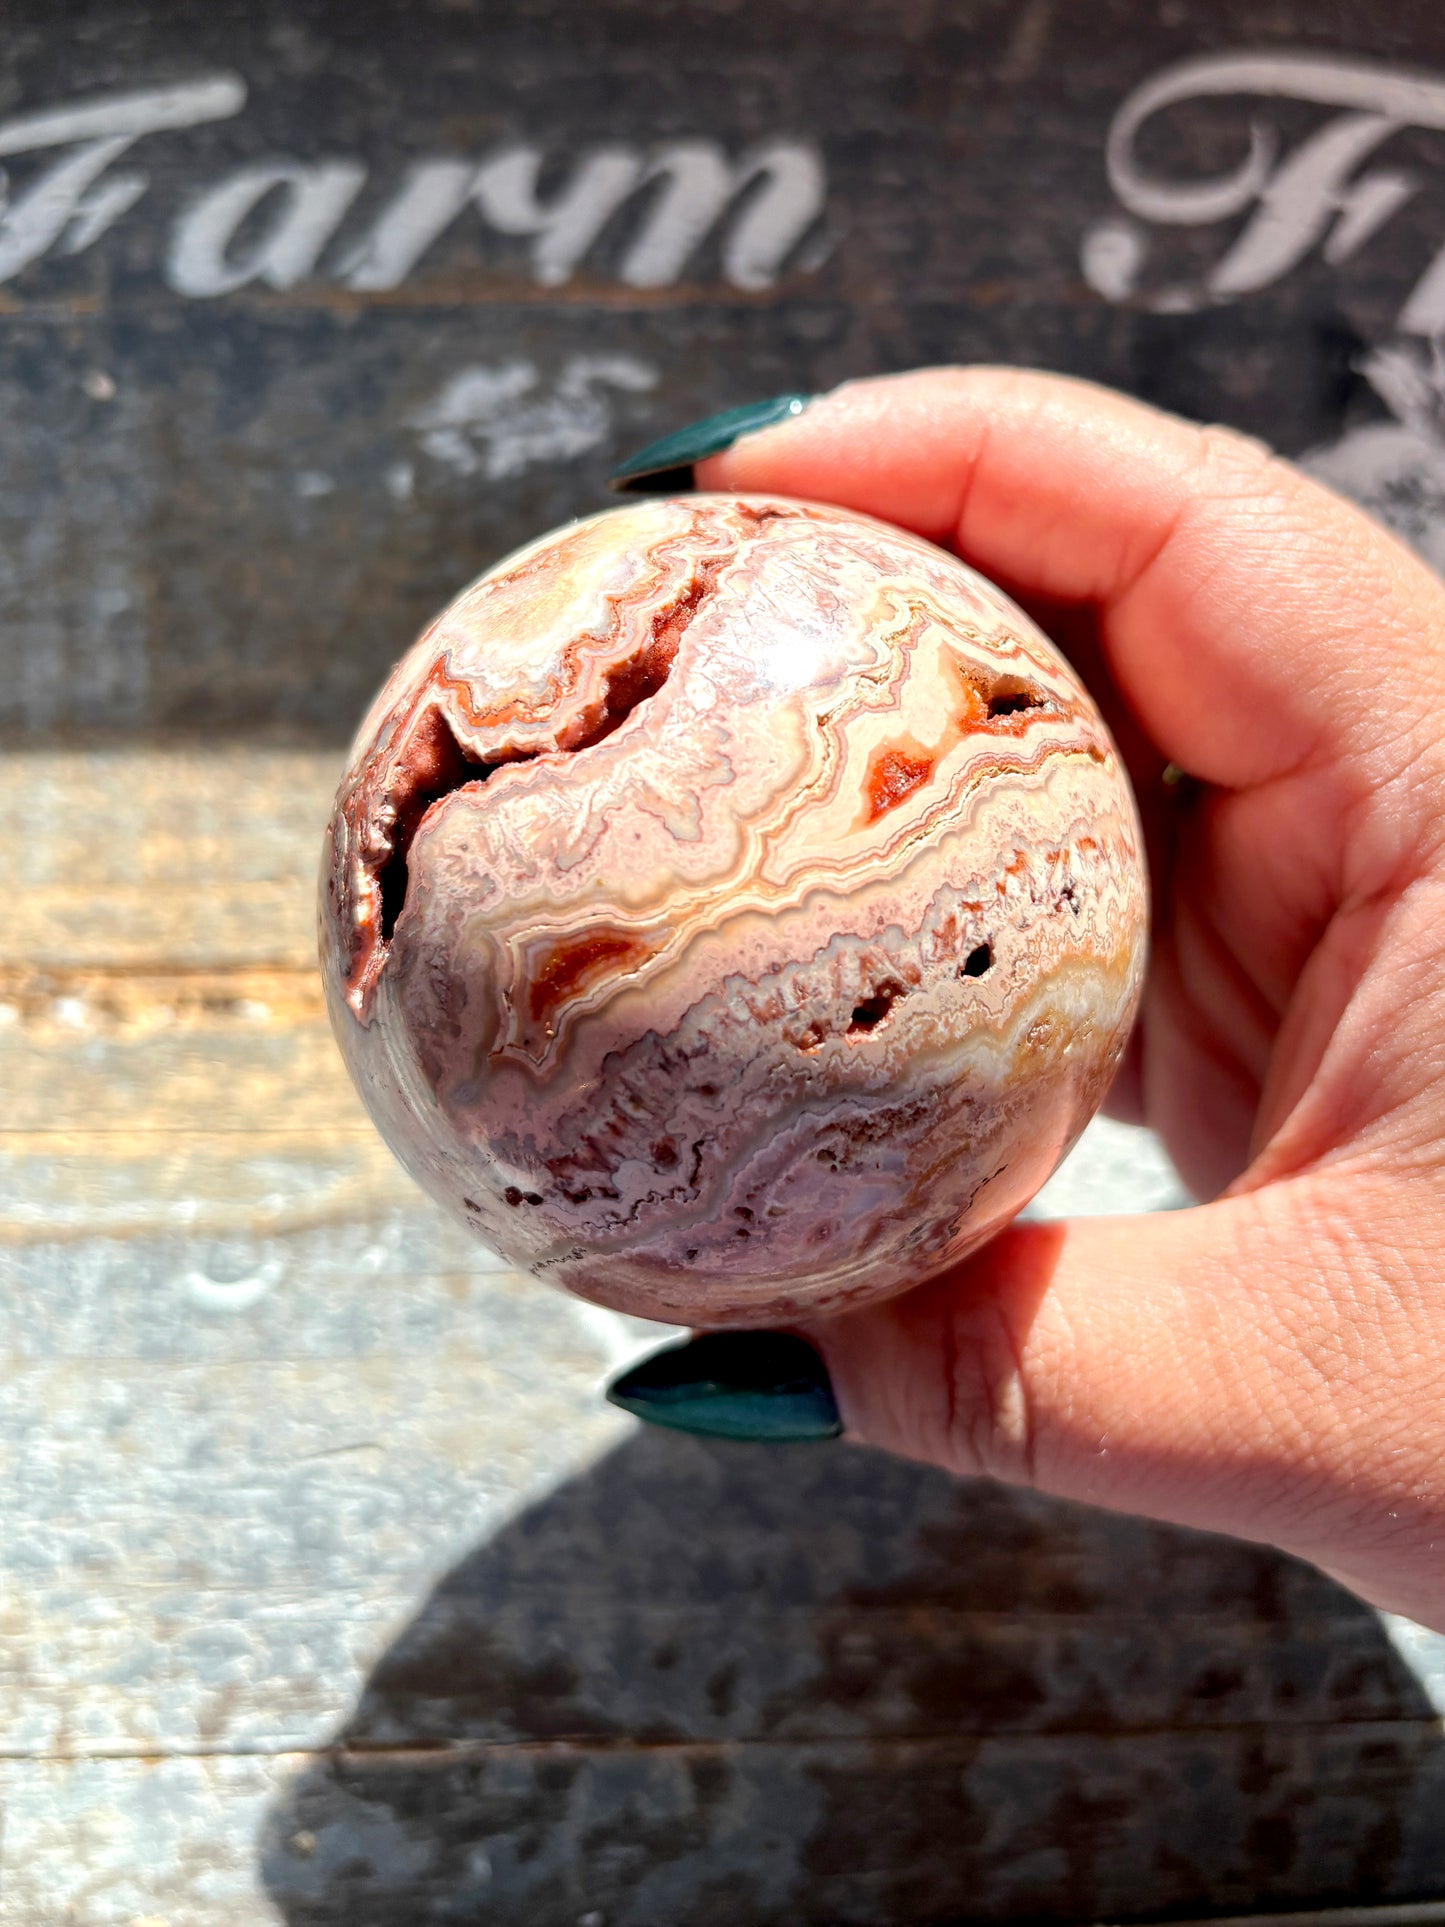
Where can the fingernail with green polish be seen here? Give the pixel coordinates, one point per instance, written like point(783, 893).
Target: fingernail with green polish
point(760, 1385)
point(666, 465)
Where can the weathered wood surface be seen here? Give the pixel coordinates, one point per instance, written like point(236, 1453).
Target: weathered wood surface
point(333, 1593)
point(377, 292)
point(164, 1050)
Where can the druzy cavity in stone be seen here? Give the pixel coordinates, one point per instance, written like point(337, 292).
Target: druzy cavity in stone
point(734, 908)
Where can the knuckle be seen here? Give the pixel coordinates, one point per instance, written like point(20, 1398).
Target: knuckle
point(989, 1419)
point(1233, 464)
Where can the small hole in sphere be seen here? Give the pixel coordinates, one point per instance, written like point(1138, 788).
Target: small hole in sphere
point(1008, 702)
point(873, 1010)
point(978, 961)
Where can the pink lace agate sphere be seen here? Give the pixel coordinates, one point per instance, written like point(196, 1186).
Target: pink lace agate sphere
point(734, 909)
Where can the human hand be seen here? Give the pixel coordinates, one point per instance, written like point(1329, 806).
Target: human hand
point(1272, 1363)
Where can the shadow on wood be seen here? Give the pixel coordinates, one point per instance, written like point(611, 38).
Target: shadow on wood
point(729, 1685)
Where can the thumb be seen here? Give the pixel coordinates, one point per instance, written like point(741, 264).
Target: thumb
point(1219, 1367)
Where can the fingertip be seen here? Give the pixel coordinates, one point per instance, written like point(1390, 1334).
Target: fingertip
point(854, 446)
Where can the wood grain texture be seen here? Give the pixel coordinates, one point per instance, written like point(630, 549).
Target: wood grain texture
point(164, 1049)
point(180, 861)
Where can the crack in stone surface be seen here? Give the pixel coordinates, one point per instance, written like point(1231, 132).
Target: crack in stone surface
point(435, 764)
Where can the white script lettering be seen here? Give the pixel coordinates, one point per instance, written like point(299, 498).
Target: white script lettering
point(313, 202)
point(273, 221)
point(1314, 196)
point(61, 202)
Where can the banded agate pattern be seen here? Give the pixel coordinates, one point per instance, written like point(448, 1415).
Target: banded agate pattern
point(734, 909)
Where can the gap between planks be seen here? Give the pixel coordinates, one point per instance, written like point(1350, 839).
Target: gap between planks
point(898, 1746)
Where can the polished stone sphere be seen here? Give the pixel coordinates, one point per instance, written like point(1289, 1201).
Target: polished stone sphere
point(733, 910)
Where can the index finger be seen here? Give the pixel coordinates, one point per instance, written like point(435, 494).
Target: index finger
point(1253, 619)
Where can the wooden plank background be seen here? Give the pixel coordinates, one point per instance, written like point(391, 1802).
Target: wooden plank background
point(236, 481)
point(331, 1592)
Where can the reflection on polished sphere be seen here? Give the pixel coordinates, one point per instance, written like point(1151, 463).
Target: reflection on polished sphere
point(734, 909)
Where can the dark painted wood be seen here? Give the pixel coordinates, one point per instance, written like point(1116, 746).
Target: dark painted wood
point(231, 510)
